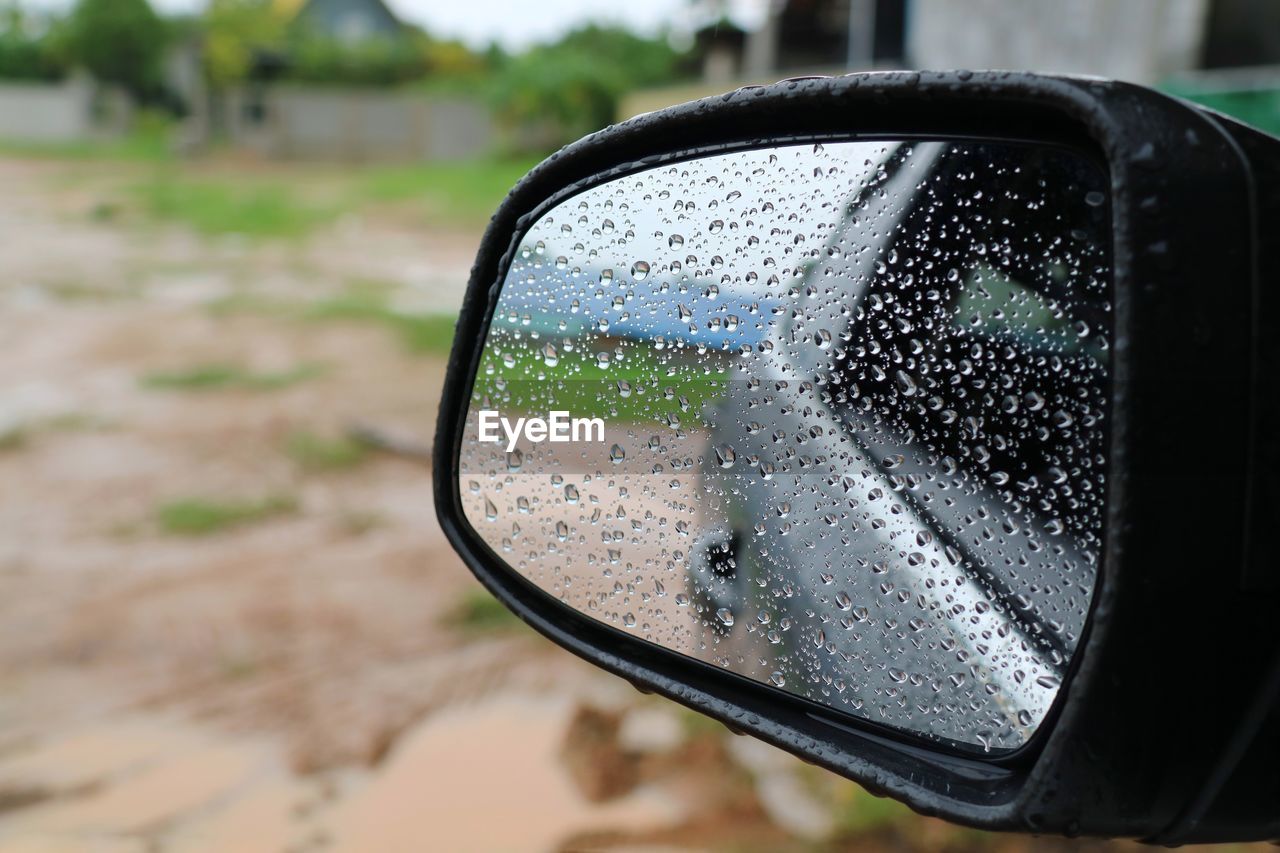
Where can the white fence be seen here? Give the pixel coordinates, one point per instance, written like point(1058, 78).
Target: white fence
point(70, 111)
point(357, 124)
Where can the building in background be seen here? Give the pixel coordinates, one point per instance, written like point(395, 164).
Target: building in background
point(349, 22)
point(1170, 43)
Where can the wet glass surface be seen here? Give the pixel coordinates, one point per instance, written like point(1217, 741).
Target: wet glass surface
point(832, 417)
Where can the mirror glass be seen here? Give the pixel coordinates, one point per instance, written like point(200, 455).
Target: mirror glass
point(832, 417)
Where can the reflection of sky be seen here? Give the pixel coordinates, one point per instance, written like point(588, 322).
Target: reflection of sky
point(701, 250)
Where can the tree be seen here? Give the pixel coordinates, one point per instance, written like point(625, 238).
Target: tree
point(236, 32)
point(118, 41)
point(574, 85)
point(27, 46)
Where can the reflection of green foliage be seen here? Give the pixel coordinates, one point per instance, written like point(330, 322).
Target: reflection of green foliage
point(200, 517)
point(659, 385)
point(220, 376)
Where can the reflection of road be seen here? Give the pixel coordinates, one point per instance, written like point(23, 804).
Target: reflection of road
point(611, 539)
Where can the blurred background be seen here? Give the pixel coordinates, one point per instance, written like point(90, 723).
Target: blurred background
point(234, 236)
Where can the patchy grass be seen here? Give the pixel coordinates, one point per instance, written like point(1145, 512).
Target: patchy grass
point(685, 383)
point(202, 517)
point(284, 204)
point(20, 436)
point(243, 303)
point(223, 376)
point(361, 302)
point(358, 523)
point(463, 193)
point(14, 438)
point(149, 142)
point(318, 453)
point(368, 303)
point(252, 206)
point(479, 612)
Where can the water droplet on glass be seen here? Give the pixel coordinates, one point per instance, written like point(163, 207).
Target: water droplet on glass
point(725, 457)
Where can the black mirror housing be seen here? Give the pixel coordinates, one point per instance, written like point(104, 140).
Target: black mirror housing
point(1168, 726)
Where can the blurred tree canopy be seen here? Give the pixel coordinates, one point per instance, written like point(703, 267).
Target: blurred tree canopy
point(244, 36)
point(235, 32)
point(118, 41)
point(315, 58)
point(545, 95)
point(574, 84)
point(28, 46)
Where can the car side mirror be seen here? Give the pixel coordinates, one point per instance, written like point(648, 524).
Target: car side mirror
point(920, 424)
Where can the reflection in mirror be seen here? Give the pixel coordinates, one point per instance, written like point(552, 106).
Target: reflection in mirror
point(830, 417)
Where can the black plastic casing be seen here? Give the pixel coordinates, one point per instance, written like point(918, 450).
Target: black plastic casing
point(1169, 728)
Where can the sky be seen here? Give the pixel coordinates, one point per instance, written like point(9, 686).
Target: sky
point(520, 23)
point(514, 23)
point(517, 23)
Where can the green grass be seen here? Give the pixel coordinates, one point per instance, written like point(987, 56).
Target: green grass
point(286, 202)
point(228, 376)
point(363, 302)
point(318, 453)
point(367, 302)
point(242, 303)
point(20, 436)
point(14, 438)
point(577, 383)
point(283, 205)
point(149, 141)
point(248, 206)
point(464, 193)
point(479, 612)
point(202, 517)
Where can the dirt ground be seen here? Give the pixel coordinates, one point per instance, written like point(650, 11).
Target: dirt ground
point(293, 683)
point(298, 677)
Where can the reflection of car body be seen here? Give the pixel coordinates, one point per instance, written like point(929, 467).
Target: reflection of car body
point(934, 417)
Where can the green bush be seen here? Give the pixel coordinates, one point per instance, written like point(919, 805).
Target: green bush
point(118, 41)
point(373, 62)
point(573, 86)
point(28, 47)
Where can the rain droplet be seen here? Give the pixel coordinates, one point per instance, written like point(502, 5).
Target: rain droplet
point(725, 457)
